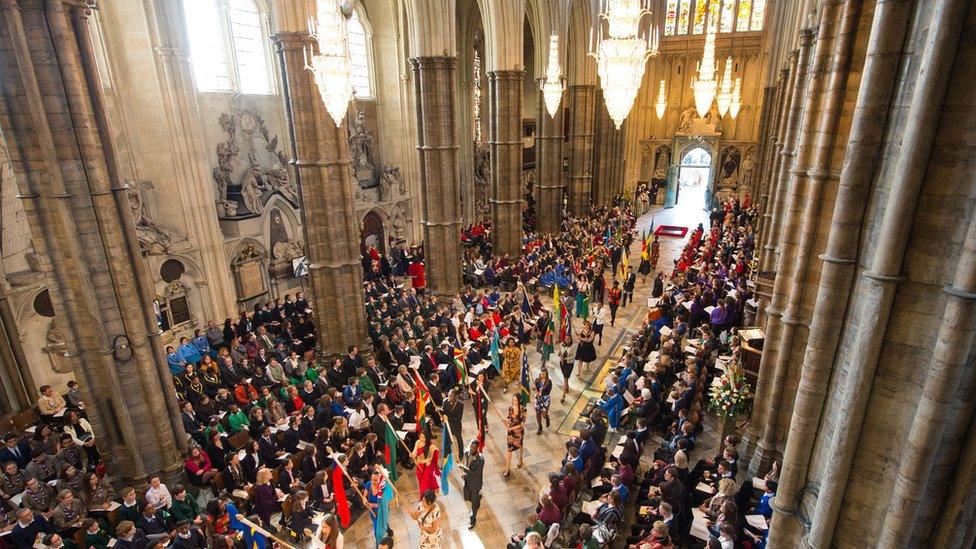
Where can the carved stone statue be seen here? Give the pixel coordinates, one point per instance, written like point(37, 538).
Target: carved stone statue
point(288, 250)
point(362, 150)
point(251, 190)
point(154, 238)
point(684, 122)
point(400, 218)
point(482, 176)
point(277, 178)
point(391, 185)
point(714, 118)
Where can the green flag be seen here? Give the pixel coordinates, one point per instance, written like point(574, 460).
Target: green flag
point(390, 454)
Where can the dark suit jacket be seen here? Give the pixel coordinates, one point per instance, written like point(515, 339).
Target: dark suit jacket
point(158, 524)
point(191, 424)
point(25, 454)
point(23, 538)
point(139, 541)
point(473, 477)
point(267, 450)
point(250, 466)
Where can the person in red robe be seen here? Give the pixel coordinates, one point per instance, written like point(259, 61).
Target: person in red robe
point(418, 278)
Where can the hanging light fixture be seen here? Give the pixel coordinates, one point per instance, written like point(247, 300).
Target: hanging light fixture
point(662, 101)
point(704, 85)
point(736, 103)
point(552, 86)
point(331, 66)
point(621, 54)
point(724, 97)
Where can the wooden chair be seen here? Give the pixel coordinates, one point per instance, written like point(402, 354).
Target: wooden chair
point(25, 418)
point(238, 440)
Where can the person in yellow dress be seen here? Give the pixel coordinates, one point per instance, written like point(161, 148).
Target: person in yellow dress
point(511, 362)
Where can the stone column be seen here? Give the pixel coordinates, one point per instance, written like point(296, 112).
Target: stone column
point(781, 183)
point(190, 157)
point(55, 127)
point(582, 109)
point(329, 221)
point(434, 83)
point(548, 168)
point(811, 155)
point(881, 281)
point(505, 140)
point(878, 79)
point(608, 160)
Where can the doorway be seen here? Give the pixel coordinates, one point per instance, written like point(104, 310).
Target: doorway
point(694, 177)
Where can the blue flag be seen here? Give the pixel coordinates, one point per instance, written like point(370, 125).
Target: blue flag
point(382, 522)
point(496, 358)
point(448, 465)
point(526, 382)
point(252, 538)
point(526, 308)
point(446, 450)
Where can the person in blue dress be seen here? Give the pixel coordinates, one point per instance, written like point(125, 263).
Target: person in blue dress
point(188, 352)
point(613, 405)
point(202, 344)
point(177, 365)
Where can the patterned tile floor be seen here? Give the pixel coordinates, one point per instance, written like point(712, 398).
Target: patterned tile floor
point(506, 502)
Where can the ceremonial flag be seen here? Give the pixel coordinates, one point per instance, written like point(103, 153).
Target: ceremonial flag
point(254, 539)
point(462, 371)
point(645, 251)
point(526, 382)
point(480, 419)
point(422, 395)
point(556, 305)
point(526, 307)
point(449, 462)
point(390, 452)
point(496, 357)
point(382, 523)
point(606, 238)
point(339, 491)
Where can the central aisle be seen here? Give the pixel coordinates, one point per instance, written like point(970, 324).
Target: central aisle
point(506, 502)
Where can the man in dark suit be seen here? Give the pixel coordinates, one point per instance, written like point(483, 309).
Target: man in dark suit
point(473, 468)
point(29, 526)
point(352, 362)
point(629, 283)
point(192, 424)
point(230, 374)
point(267, 448)
point(453, 410)
point(16, 450)
point(153, 523)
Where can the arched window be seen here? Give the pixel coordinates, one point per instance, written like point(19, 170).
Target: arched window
point(724, 16)
point(228, 46)
point(359, 56)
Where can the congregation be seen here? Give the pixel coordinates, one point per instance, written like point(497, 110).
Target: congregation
point(305, 446)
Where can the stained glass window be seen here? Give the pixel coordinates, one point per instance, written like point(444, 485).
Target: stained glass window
point(742, 17)
point(758, 11)
point(683, 16)
point(728, 16)
point(476, 82)
point(699, 22)
point(713, 9)
point(671, 18)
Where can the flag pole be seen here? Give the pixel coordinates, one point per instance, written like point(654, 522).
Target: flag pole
point(386, 475)
point(400, 440)
point(264, 532)
point(333, 454)
point(499, 414)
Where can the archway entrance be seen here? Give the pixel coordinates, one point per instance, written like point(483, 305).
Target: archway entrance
point(373, 234)
point(694, 175)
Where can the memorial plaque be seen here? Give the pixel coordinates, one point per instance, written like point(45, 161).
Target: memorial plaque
point(251, 279)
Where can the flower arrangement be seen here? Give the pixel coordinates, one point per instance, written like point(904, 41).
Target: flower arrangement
point(731, 396)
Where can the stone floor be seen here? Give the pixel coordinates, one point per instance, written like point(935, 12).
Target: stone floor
point(506, 502)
